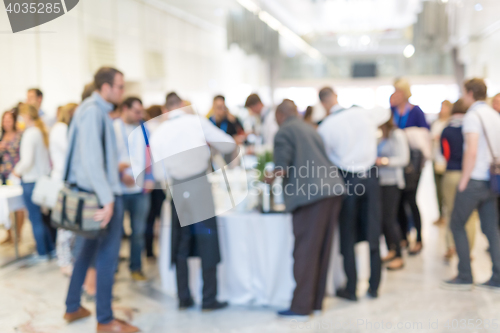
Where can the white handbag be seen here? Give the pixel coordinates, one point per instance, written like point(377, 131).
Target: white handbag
point(46, 191)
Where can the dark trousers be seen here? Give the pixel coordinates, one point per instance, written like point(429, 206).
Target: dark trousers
point(478, 196)
point(105, 249)
point(409, 200)
point(137, 205)
point(499, 210)
point(363, 197)
point(46, 217)
point(390, 199)
point(313, 227)
point(157, 198)
point(209, 273)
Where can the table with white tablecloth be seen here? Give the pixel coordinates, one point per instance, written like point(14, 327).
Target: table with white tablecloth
point(257, 262)
point(256, 251)
point(11, 200)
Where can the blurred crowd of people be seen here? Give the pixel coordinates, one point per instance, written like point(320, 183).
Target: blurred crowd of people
point(379, 156)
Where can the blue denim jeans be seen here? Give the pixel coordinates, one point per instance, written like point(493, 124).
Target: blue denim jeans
point(137, 205)
point(105, 249)
point(44, 242)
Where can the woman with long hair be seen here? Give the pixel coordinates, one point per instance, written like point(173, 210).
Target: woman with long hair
point(393, 157)
point(33, 164)
point(58, 146)
point(308, 116)
point(9, 156)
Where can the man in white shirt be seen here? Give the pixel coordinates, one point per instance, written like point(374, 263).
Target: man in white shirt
point(482, 140)
point(136, 199)
point(350, 137)
point(262, 120)
point(180, 149)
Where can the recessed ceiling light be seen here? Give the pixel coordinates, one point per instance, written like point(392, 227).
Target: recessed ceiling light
point(409, 51)
point(478, 7)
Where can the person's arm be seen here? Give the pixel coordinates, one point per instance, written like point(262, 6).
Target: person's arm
point(401, 157)
point(26, 153)
point(379, 115)
point(283, 156)
point(217, 138)
point(420, 118)
point(58, 146)
point(3, 146)
point(469, 159)
point(124, 160)
point(92, 155)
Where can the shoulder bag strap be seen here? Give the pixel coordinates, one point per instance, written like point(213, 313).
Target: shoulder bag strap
point(70, 156)
point(104, 145)
point(490, 147)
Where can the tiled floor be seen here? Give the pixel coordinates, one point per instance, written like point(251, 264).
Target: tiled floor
point(32, 301)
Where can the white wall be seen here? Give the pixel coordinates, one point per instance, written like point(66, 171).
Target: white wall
point(57, 56)
point(478, 39)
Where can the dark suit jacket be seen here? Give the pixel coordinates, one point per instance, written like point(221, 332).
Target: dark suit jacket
point(300, 149)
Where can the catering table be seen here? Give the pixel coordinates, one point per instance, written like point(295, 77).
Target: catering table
point(256, 250)
point(11, 200)
point(257, 263)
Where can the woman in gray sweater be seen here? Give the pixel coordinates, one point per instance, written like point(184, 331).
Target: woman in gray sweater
point(393, 157)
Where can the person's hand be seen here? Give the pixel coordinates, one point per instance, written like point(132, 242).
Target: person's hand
point(239, 139)
point(382, 161)
point(128, 180)
point(123, 166)
point(149, 186)
point(231, 118)
point(462, 185)
point(14, 173)
point(269, 177)
point(105, 214)
point(3, 144)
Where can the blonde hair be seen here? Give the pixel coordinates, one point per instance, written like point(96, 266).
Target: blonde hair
point(31, 111)
point(66, 113)
point(404, 86)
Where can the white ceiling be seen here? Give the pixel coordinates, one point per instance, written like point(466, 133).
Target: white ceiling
point(212, 11)
point(470, 22)
point(342, 16)
point(323, 22)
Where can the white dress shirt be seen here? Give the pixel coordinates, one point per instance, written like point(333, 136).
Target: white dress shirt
point(480, 118)
point(130, 148)
point(269, 127)
point(58, 147)
point(181, 144)
point(350, 136)
point(263, 125)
